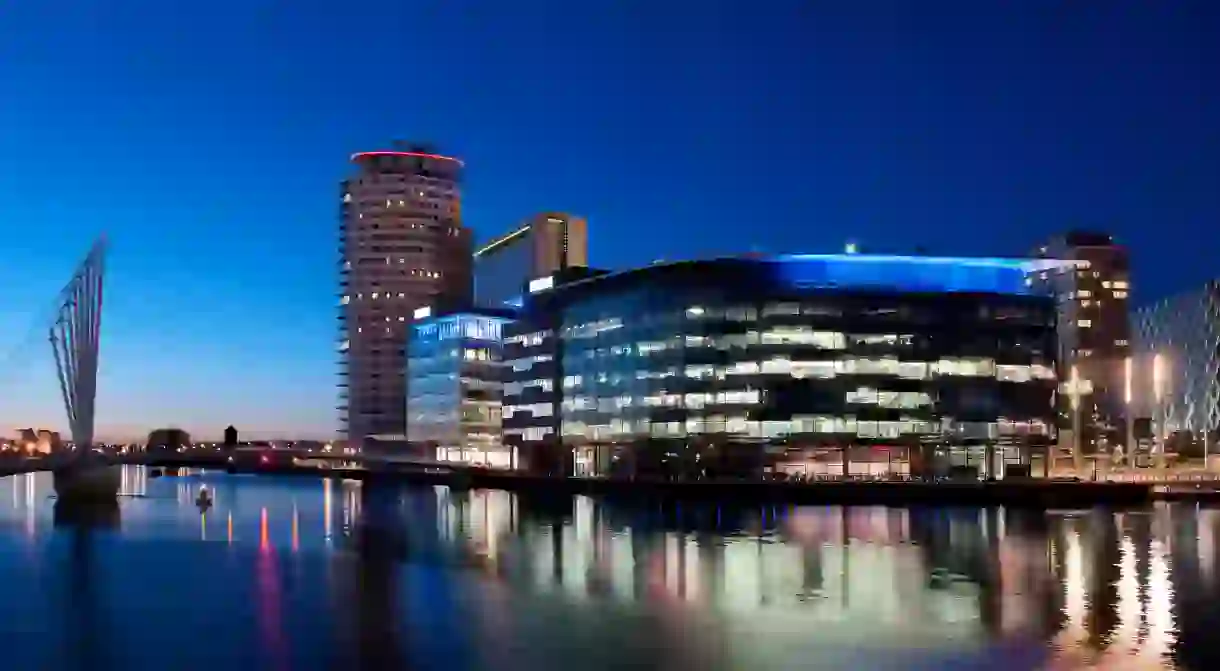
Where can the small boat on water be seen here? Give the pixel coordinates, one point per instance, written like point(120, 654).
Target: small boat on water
point(155, 473)
point(204, 500)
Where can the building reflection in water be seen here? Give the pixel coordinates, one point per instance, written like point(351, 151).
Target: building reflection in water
point(328, 511)
point(1101, 588)
point(27, 496)
point(706, 586)
point(133, 481)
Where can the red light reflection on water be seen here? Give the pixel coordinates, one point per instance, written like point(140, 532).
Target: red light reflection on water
point(271, 624)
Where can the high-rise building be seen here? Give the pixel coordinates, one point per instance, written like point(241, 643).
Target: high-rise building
point(402, 246)
point(1094, 336)
point(543, 245)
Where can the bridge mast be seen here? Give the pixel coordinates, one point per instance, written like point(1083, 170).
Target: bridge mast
point(74, 336)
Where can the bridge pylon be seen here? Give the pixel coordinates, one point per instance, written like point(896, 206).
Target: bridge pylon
point(75, 334)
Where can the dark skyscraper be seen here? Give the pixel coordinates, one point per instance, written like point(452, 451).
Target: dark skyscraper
point(402, 246)
point(1094, 334)
point(542, 245)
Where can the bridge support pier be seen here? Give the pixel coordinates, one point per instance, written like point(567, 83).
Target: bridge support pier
point(87, 481)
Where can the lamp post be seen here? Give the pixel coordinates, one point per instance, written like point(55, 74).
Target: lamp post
point(1207, 439)
point(1075, 388)
point(1129, 444)
point(1158, 376)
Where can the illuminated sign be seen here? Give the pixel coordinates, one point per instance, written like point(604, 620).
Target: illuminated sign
point(542, 284)
point(423, 313)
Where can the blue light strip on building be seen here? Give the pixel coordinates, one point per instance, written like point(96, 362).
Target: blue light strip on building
point(913, 273)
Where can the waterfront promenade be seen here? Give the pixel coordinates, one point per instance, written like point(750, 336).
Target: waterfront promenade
point(1036, 493)
point(1032, 492)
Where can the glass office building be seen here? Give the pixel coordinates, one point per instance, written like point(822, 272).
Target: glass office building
point(817, 365)
point(454, 387)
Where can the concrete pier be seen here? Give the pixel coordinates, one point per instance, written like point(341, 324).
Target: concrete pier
point(88, 478)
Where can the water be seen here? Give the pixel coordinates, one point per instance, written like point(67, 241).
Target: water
point(299, 573)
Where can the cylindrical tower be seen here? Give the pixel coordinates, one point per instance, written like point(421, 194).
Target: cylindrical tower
point(402, 247)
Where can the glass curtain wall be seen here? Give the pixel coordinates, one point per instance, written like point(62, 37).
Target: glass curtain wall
point(681, 384)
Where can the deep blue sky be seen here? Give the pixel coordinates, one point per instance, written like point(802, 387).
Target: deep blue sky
point(207, 140)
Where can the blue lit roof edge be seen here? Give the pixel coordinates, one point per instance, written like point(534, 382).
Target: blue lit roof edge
point(1028, 265)
point(1031, 265)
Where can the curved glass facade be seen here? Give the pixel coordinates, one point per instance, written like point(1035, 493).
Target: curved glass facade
point(690, 364)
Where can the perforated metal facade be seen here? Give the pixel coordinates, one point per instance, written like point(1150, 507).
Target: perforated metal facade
point(1183, 333)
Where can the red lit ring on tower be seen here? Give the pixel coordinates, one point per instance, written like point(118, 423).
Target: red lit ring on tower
point(362, 154)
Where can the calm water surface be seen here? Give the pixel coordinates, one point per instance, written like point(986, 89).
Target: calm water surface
point(298, 573)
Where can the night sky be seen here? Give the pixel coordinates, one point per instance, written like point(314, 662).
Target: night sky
point(208, 139)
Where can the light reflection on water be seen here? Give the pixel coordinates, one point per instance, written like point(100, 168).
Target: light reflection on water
point(293, 573)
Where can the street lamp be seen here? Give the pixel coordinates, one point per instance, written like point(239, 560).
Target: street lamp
point(1158, 378)
point(1075, 389)
point(1128, 366)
